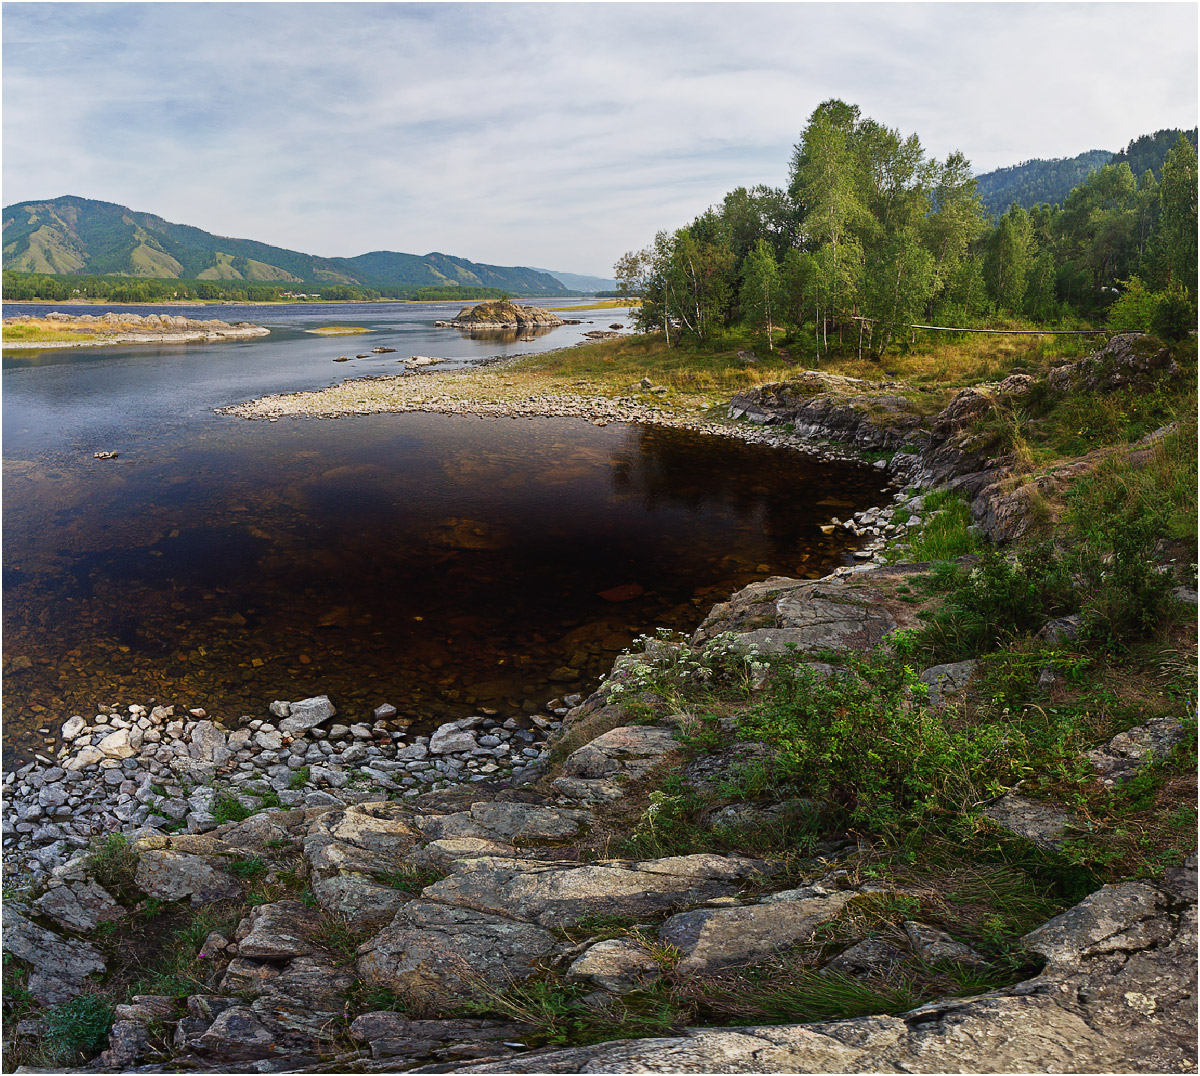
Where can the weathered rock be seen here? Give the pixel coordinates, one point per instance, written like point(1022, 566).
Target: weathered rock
point(208, 743)
point(871, 956)
point(524, 823)
point(390, 1034)
point(930, 944)
point(1129, 751)
point(451, 738)
point(617, 965)
point(501, 315)
point(555, 896)
point(598, 771)
point(1044, 824)
point(429, 949)
point(358, 899)
point(945, 681)
point(172, 876)
point(59, 967)
point(85, 759)
point(1129, 1006)
point(78, 906)
point(713, 938)
point(279, 931)
point(307, 714)
point(116, 745)
point(146, 1007)
point(238, 1034)
point(779, 616)
point(128, 1043)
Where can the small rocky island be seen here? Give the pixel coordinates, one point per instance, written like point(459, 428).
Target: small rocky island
point(502, 315)
point(57, 329)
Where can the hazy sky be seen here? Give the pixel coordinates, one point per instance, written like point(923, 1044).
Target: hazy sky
point(556, 135)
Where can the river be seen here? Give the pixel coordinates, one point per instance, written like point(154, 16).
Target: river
point(440, 563)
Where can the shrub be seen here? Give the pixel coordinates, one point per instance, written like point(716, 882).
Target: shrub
point(113, 864)
point(1000, 598)
point(1124, 595)
point(78, 1029)
point(879, 759)
point(1174, 316)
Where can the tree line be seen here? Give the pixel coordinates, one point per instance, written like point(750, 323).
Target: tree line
point(872, 235)
point(23, 287)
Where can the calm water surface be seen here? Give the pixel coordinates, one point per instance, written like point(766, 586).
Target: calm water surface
point(440, 563)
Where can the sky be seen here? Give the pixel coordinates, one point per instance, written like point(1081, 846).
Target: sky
point(552, 135)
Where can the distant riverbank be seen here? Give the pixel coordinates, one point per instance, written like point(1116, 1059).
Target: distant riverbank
point(58, 330)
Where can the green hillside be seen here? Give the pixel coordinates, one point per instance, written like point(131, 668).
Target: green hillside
point(1032, 182)
point(73, 235)
point(1051, 180)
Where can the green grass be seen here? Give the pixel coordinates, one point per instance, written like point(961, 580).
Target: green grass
point(944, 533)
point(409, 879)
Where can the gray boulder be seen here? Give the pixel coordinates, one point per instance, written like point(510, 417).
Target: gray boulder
point(307, 714)
point(429, 949)
point(59, 967)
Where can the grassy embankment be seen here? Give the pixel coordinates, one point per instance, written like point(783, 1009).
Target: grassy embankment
point(600, 304)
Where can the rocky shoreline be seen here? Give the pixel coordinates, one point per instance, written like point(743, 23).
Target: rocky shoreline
point(150, 771)
point(466, 893)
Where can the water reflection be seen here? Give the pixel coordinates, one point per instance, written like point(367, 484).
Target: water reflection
point(436, 562)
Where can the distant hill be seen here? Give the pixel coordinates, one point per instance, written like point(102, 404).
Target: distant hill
point(582, 282)
point(1052, 180)
point(75, 236)
point(1032, 182)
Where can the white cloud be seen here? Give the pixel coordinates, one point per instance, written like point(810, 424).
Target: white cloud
point(542, 134)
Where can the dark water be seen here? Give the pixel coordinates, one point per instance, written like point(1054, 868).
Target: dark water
point(439, 563)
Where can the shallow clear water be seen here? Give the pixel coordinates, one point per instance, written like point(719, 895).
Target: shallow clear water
point(436, 562)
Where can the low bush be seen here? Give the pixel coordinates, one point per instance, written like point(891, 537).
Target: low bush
point(865, 745)
point(78, 1029)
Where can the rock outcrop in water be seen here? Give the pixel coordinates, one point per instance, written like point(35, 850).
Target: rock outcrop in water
point(501, 315)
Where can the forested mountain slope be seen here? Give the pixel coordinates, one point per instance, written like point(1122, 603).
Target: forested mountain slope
point(72, 235)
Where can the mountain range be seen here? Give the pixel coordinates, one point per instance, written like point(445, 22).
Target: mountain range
point(72, 235)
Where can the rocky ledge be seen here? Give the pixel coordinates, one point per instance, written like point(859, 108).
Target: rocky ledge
point(99, 329)
point(955, 446)
point(501, 315)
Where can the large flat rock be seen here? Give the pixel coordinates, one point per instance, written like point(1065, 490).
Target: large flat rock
point(713, 938)
point(553, 895)
point(430, 949)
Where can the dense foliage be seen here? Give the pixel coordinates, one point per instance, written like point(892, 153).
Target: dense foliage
point(22, 287)
point(872, 236)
